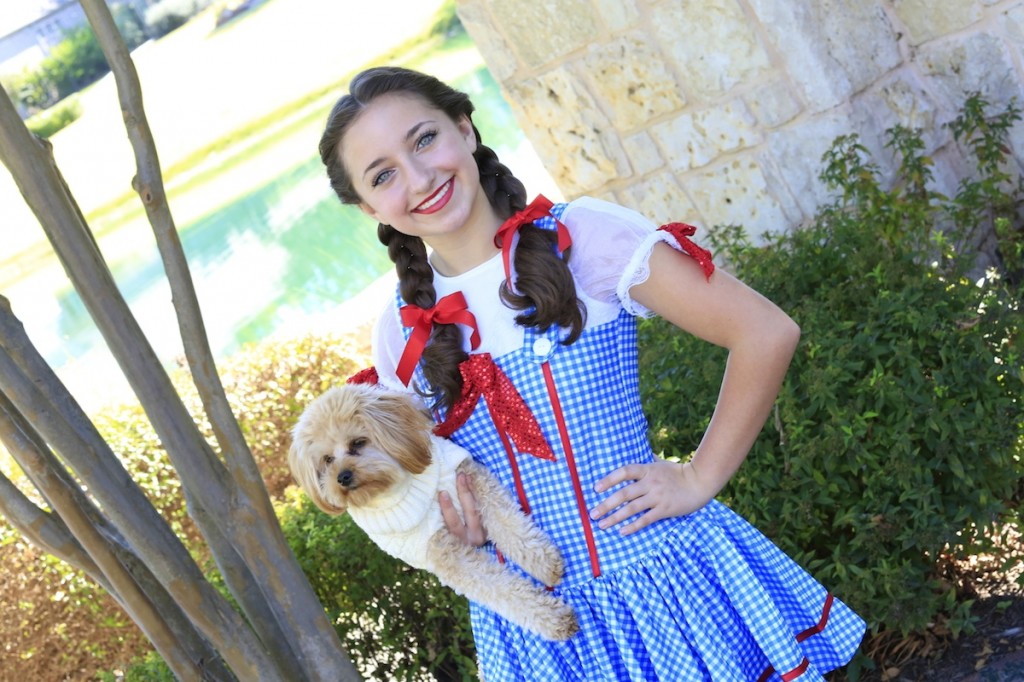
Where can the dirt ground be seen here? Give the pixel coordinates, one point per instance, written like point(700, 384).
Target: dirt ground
point(992, 652)
point(995, 651)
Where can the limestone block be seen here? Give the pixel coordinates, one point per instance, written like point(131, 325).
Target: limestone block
point(541, 32)
point(568, 131)
point(773, 104)
point(618, 15)
point(711, 42)
point(796, 152)
point(630, 79)
point(777, 188)
point(979, 63)
point(900, 100)
point(661, 199)
point(1017, 144)
point(500, 58)
point(927, 19)
point(695, 139)
point(642, 153)
point(736, 193)
point(831, 48)
point(1013, 22)
point(608, 196)
point(950, 169)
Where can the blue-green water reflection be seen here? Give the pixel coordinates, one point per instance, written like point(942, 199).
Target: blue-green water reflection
point(284, 251)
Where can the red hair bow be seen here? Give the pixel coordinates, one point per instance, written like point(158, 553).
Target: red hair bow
point(538, 208)
point(451, 309)
point(482, 377)
point(682, 232)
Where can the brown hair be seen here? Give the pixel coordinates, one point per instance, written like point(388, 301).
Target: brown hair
point(546, 294)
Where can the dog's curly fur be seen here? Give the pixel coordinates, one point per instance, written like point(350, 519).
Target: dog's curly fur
point(370, 451)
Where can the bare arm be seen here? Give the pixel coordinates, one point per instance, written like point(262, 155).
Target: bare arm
point(760, 339)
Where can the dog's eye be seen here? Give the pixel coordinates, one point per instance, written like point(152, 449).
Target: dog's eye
point(328, 459)
point(358, 443)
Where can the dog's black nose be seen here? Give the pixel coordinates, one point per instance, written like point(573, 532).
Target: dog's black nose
point(346, 478)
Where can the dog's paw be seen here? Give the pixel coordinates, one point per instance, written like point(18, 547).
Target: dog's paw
point(548, 566)
point(560, 624)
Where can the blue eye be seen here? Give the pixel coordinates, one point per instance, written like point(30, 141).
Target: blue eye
point(425, 139)
point(381, 177)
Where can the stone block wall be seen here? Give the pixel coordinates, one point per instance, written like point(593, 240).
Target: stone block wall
point(719, 111)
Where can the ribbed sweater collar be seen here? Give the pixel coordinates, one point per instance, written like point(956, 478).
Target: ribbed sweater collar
point(405, 506)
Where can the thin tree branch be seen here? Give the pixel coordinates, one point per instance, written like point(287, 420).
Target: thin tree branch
point(148, 182)
point(44, 530)
point(111, 575)
point(255, 519)
point(128, 507)
point(52, 479)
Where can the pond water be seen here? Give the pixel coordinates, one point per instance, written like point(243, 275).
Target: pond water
point(283, 258)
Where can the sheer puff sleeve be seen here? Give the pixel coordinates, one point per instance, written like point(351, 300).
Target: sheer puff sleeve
point(611, 249)
point(387, 345)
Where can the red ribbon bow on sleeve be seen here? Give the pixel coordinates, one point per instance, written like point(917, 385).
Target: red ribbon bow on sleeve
point(682, 232)
point(364, 376)
point(538, 208)
point(451, 309)
point(511, 416)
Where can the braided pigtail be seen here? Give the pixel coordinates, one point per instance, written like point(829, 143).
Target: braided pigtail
point(546, 292)
point(443, 353)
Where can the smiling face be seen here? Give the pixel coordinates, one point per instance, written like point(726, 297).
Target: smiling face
point(413, 169)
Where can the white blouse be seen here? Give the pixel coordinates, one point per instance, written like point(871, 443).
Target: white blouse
point(611, 246)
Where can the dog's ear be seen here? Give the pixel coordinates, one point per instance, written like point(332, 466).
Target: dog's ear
point(401, 429)
point(326, 506)
point(303, 465)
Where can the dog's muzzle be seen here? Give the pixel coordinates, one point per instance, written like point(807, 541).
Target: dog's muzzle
point(346, 479)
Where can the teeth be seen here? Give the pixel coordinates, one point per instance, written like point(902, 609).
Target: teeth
point(436, 198)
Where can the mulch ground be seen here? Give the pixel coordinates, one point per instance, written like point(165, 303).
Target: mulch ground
point(992, 651)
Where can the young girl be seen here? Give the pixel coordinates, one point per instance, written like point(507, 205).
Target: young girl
point(518, 329)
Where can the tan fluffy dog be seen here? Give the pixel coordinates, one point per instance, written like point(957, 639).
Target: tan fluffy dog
point(370, 451)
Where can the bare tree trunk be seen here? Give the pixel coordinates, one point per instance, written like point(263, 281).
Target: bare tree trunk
point(75, 537)
point(252, 548)
point(285, 634)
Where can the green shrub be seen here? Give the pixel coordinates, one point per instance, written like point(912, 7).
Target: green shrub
point(32, 89)
point(396, 622)
point(149, 668)
point(129, 24)
point(75, 62)
point(898, 436)
point(165, 16)
point(57, 117)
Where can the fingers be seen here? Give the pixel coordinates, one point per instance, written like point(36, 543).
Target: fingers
point(476, 535)
point(468, 527)
point(450, 515)
point(627, 494)
point(630, 472)
point(652, 492)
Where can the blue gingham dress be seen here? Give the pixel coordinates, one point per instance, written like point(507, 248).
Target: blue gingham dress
point(700, 597)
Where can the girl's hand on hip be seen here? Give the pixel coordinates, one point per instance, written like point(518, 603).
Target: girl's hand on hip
point(659, 490)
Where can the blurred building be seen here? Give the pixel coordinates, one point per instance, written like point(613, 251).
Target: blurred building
point(29, 29)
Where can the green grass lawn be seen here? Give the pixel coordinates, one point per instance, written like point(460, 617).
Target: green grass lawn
point(215, 99)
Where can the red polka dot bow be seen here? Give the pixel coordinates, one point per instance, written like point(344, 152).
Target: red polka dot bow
point(682, 232)
point(509, 412)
